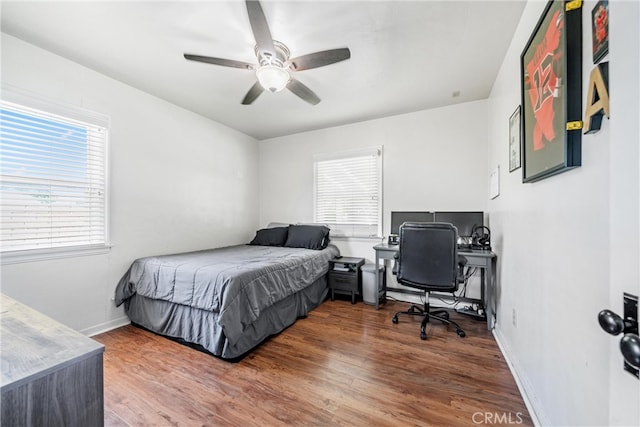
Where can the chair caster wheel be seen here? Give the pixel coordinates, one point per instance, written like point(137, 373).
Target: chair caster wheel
point(423, 336)
point(395, 319)
point(461, 333)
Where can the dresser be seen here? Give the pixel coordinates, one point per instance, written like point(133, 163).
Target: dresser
point(51, 374)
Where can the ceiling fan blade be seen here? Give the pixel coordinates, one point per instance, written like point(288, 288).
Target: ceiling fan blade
point(253, 93)
point(220, 61)
point(302, 91)
point(320, 59)
point(260, 28)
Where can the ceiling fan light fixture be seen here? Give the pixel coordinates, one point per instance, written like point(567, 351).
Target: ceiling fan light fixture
point(272, 77)
point(276, 71)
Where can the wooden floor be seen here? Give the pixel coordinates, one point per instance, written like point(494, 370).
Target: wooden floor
point(342, 365)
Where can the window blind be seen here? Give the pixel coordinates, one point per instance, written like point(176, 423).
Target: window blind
point(52, 180)
point(348, 192)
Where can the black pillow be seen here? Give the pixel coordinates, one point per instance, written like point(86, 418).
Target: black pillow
point(275, 236)
point(308, 236)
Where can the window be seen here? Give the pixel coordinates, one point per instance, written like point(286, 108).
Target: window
point(53, 181)
point(348, 192)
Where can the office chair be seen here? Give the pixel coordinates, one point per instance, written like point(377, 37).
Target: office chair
point(428, 260)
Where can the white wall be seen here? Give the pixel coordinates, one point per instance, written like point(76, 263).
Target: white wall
point(552, 239)
point(178, 182)
point(433, 160)
point(411, 179)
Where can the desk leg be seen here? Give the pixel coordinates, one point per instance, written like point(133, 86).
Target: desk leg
point(491, 282)
point(486, 292)
point(377, 280)
point(483, 288)
point(384, 283)
point(488, 296)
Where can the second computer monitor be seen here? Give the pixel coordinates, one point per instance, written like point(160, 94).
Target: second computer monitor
point(465, 222)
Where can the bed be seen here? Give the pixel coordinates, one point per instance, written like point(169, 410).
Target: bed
point(228, 300)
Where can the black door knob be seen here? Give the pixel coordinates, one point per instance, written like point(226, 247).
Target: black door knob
point(630, 348)
point(614, 324)
point(611, 322)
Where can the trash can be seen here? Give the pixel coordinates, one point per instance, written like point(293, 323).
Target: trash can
point(369, 291)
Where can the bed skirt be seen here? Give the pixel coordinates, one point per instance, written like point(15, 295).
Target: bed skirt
point(200, 327)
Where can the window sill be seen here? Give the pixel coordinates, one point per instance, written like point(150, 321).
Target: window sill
point(345, 237)
point(33, 255)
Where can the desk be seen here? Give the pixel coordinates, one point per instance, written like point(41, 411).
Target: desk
point(485, 260)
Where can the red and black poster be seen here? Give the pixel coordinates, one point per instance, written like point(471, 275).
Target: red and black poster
point(600, 30)
point(547, 84)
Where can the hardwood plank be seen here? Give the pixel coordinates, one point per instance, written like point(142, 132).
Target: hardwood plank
point(343, 365)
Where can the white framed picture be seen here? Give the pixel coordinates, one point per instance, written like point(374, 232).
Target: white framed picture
point(494, 183)
point(515, 140)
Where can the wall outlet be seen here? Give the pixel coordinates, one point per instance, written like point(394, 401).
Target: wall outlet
point(514, 317)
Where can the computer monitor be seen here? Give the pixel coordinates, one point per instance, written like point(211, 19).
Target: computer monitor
point(398, 218)
point(465, 222)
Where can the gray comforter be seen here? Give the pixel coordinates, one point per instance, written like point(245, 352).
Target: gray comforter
point(237, 282)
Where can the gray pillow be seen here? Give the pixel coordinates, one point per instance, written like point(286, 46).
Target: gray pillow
point(276, 236)
point(308, 236)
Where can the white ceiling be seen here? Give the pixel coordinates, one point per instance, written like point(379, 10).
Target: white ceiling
point(405, 56)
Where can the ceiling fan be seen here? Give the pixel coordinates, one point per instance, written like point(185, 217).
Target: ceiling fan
point(275, 69)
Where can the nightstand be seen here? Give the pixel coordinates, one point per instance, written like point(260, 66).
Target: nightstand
point(345, 277)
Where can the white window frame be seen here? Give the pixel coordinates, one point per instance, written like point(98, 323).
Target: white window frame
point(13, 97)
point(350, 228)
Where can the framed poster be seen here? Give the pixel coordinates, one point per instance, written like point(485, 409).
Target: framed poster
point(515, 140)
point(494, 183)
point(600, 30)
point(551, 92)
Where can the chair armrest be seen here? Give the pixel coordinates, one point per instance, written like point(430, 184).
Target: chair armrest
point(394, 269)
point(462, 262)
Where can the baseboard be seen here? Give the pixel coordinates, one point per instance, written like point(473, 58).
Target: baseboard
point(526, 391)
point(106, 326)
